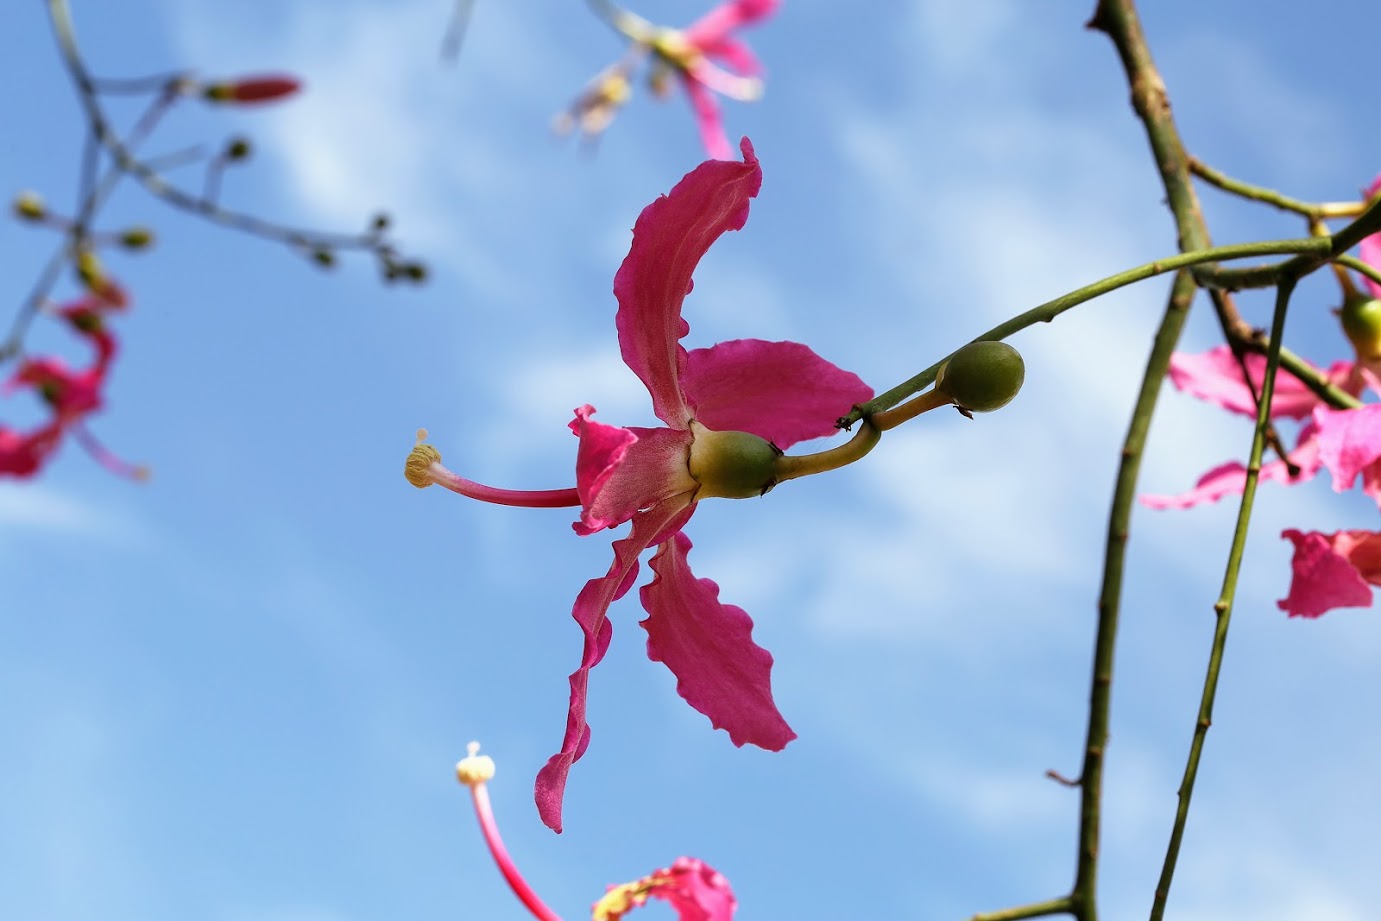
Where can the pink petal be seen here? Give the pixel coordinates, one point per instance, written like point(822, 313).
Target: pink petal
point(1216, 377)
point(725, 18)
point(1323, 576)
point(1349, 442)
point(1369, 251)
point(620, 471)
point(591, 606)
point(707, 118)
point(1231, 478)
point(720, 671)
point(781, 391)
point(670, 237)
point(735, 54)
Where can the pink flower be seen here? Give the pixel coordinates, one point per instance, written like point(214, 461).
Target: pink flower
point(729, 411)
point(693, 55)
point(1332, 571)
point(692, 887)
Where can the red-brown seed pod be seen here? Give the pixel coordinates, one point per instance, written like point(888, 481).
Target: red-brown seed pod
point(267, 88)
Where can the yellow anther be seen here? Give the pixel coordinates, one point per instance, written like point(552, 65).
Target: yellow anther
point(420, 460)
point(474, 769)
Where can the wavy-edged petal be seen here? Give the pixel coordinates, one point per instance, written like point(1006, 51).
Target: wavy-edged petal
point(1215, 377)
point(670, 237)
point(1331, 571)
point(1350, 444)
point(709, 646)
point(621, 471)
point(781, 391)
point(591, 607)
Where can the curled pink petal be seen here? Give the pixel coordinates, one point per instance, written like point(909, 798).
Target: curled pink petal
point(620, 471)
point(1331, 571)
point(1215, 377)
point(781, 391)
point(591, 606)
point(1349, 442)
point(708, 645)
point(1231, 478)
point(669, 239)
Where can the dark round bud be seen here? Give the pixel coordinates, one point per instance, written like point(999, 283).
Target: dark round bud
point(324, 257)
point(238, 149)
point(381, 221)
point(982, 376)
point(415, 272)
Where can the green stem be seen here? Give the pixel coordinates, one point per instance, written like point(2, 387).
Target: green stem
point(1060, 906)
point(1223, 607)
point(1357, 265)
point(1313, 211)
point(1052, 309)
point(1110, 594)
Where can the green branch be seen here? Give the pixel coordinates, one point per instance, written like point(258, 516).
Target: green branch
point(1051, 309)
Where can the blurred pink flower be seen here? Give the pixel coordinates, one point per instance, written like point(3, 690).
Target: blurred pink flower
point(692, 887)
point(692, 55)
point(1369, 250)
point(1332, 571)
point(729, 411)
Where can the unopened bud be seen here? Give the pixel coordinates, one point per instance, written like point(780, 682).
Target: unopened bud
point(982, 376)
point(238, 149)
point(324, 257)
point(250, 90)
point(136, 238)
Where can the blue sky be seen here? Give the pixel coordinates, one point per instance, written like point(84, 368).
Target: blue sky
point(236, 693)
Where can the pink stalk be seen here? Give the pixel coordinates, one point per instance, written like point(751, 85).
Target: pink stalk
point(473, 771)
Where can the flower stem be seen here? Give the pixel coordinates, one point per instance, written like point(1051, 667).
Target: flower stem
point(1048, 311)
point(485, 813)
point(1223, 606)
point(889, 419)
point(1272, 197)
point(789, 467)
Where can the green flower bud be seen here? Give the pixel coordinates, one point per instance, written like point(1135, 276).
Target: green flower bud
point(982, 376)
point(1361, 318)
point(136, 238)
point(29, 206)
point(731, 465)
